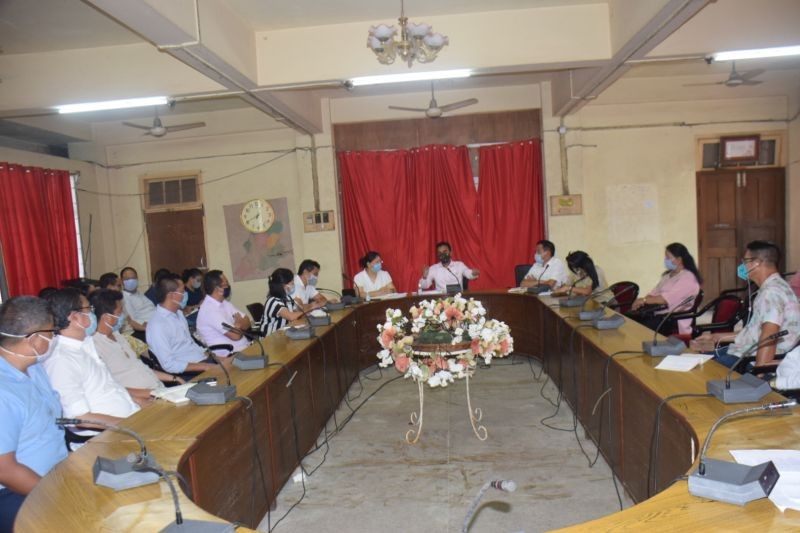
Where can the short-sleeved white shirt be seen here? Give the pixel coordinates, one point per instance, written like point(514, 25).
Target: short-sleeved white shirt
point(302, 291)
point(363, 280)
point(138, 306)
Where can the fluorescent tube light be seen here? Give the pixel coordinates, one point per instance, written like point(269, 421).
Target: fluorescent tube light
point(113, 104)
point(411, 76)
point(733, 55)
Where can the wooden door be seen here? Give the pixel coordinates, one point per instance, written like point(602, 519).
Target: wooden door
point(735, 207)
point(717, 231)
point(176, 239)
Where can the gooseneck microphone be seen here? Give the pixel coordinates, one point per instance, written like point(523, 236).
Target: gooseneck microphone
point(592, 315)
point(244, 361)
point(748, 388)
point(537, 289)
point(674, 345)
point(572, 286)
point(499, 484)
point(213, 394)
point(731, 482)
point(299, 334)
point(119, 474)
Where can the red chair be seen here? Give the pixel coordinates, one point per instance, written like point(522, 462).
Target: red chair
point(727, 310)
point(624, 302)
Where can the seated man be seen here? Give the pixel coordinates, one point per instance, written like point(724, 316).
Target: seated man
point(86, 388)
point(787, 374)
point(306, 295)
point(446, 271)
point(168, 333)
point(150, 293)
point(547, 269)
point(137, 306)
point(30, 441)
point(110, 280)
point(775, 308)
point(215, 310)
point(115, 351)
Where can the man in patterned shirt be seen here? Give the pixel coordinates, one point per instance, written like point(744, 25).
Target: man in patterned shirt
point(775, 308)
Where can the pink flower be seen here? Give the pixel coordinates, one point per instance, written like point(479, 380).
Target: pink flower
point(464, 363)
point(402, 363)
point(504, 346)
point(476, 346)
point(452, 313)
point(387, 335)
point(440, 363)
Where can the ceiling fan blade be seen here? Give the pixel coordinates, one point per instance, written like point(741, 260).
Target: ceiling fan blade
point(459, 105)
point(751, 74)
point(417, 109)
point(180, 127)
point(132, 125)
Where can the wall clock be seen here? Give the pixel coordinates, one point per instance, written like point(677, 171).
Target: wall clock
point(257, 216)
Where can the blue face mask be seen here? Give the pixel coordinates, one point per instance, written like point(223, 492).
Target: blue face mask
point(312, 280)
point(538, 258)
point(226, 292)
point(184, 299)
point(669, 264)
point(742, 272)
point(92, 327)
point(289, 290)
point(130, 285)
point(120, 322)
point(377, 267)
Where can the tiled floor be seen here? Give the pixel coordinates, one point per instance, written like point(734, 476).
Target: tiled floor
point(372, 480)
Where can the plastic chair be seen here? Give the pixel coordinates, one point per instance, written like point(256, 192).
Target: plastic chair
point(256, 311)
point(519, 273)
point(624, 302)
point(727, 311)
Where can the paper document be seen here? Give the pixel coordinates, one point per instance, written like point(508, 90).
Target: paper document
point(318, 313)
point(786, 493)
point(431, 292)
point(678, 363)
point(518, 290)
point(173, 394)
point(390, 296)
point(701, 357)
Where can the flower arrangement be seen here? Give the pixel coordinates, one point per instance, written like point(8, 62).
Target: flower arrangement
point(441, 340)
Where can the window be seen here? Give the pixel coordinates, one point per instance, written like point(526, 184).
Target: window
point(180, 191)
point(769, 152)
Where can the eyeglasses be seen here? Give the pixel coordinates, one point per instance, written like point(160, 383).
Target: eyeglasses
point(31, 334)
point(749, 259)
point(90, 308)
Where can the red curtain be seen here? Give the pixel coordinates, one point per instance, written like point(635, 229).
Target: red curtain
point(37, 228)
point(511, 208)
point(400, 203)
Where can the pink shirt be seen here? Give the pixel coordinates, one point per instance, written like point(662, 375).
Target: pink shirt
point(675, 289)
point(209, 324)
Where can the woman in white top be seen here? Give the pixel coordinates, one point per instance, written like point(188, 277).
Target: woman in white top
point(373, 280)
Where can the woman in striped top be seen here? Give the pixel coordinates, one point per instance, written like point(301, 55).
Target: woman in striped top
point(280, 308)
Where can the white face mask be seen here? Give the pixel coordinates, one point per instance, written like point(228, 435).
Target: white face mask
point(51, 344)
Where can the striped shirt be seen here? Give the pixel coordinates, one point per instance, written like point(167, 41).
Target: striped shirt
point(271, 321)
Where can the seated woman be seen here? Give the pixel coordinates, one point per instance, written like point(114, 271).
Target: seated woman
point(280, 308)
point(373, 280)
point(681, 280)
point(193, 282)
point(585, 277)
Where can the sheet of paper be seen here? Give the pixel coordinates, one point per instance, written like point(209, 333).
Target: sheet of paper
point(786, 493)
point(431, 292)
point(678, 363)
point(174, 394)
point(701, 357)
point(390, 296)
point(518, 290)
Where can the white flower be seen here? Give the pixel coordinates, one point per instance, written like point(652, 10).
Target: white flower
point(456, 340)
point(397, 313)
point(386, 358)
point(487, 335)
point(434, 380)
point(415, 371)
point(455, 368)
point(458, 332)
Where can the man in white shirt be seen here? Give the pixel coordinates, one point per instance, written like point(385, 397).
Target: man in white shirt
point(446, 271)
point(305, 282)
point(215, 310)
point(548, 269)
point(85, 386)
point(137, 306)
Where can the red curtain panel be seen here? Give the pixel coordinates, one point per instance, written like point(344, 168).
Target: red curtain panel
point(511, 208)
point(400, 203)
point(37, 228)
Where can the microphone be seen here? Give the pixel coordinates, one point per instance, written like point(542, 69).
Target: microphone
point(538, 288)
point(248, 362)
point(570, 301)
point(347, 299)
point(748, 388)
point(299, 334)
point(731, 482)
point(593, 315)
point(500, 484)
point(212, 394)
point(674, 345)
point(343, 300)
point(119, 474)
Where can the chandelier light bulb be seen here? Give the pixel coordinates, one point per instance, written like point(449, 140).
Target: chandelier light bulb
point(416, 41)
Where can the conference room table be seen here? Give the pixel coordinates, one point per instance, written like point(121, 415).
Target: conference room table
point(235, 458)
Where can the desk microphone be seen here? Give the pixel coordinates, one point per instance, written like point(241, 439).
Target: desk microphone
point(350, 300)
point(208, 394)
point(674, 345)
point(598, 314)
point(299, 334)
point(748, 388)
point(119, 474)
point(538, 289)
point(730, 482)
point(576, 301)
point(499, 484)
point(343, 300)
point(248, 362)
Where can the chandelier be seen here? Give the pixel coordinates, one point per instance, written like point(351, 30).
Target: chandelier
point(417, 41)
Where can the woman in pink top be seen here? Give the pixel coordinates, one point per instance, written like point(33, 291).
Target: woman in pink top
point(680, 281)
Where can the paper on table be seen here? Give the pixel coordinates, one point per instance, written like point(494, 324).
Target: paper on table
point(390, 296)
point(427, 293)
point(173, 394)
point(786, 493)
point(517, 290)
point(701, 357)
point(678, 363)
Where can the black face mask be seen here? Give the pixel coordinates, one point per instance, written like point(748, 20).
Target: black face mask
point(444, 258)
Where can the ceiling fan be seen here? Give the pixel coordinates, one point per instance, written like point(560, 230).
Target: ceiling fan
point(434, 110)
point(159, 130)
point(735, 79)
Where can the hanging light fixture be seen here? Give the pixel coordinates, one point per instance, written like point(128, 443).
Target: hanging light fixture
point(417, 41)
